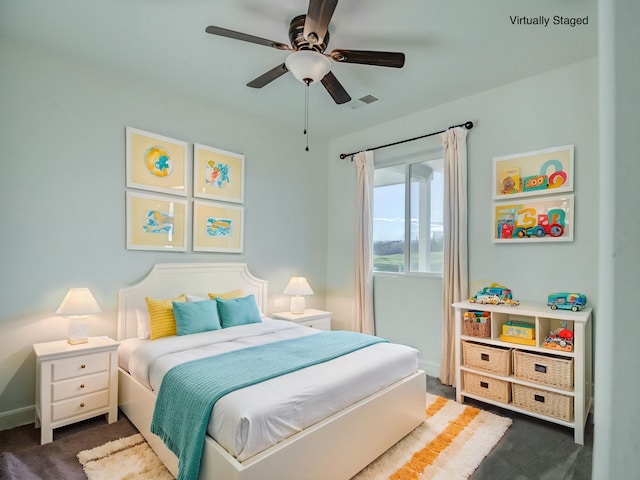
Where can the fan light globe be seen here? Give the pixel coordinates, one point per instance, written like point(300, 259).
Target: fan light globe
point(308, 65)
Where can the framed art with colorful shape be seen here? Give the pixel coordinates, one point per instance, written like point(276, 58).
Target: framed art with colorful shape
point(540, 172)
point(156, 163)
point(156, 222)
point(542, 219)
point(218, 174)
point(217, 227)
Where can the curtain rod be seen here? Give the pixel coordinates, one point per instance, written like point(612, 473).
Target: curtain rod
point(467, 125)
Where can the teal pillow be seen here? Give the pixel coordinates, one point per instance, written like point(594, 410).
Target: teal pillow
point(238, 311)
point(196, 317)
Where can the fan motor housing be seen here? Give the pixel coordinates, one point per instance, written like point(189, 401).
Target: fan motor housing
point(296, 36)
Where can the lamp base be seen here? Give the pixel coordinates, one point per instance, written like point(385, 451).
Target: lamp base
point(297, 304)
point(78, 330)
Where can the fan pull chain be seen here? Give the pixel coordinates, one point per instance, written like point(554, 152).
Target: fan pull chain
point(306, 113)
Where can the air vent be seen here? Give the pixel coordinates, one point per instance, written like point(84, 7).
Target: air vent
point(363, 101)
point(368, 99)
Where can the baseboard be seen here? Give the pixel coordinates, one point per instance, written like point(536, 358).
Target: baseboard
point(17, 417)
point(432, 369)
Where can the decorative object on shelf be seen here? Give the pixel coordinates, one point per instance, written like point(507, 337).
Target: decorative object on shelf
point(218, 174)
point(155, 162)
point(77, 304)
point(494, 294)
point(533, 173)
point(519, 329)
point(156, 222)
point(217, 227)
point(545, 219)
point(560, 339)
point(567, 301)
point(298, 287)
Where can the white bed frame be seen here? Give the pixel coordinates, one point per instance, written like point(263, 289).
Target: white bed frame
point(336, 448)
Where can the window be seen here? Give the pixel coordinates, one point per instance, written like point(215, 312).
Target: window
point(408, 204)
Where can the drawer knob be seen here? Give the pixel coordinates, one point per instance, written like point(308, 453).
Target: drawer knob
point(82, 405)
point(83, 366)
point(82, 385)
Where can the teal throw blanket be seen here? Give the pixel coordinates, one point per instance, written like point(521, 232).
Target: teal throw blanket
point(189, 390)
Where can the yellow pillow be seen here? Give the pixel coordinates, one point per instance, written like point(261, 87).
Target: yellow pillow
point(227, 295)
point(162, 323)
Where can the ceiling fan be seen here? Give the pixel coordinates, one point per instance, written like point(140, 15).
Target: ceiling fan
point(309, 37)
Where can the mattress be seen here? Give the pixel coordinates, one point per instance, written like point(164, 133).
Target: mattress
point(251, 419)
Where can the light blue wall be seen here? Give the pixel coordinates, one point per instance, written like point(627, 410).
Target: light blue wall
point(62, 192)
point(552, 109)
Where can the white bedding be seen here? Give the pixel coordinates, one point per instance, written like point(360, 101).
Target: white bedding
point(247, 421)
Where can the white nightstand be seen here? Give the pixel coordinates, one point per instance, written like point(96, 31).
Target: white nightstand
point(75, 382)
point(310, 318)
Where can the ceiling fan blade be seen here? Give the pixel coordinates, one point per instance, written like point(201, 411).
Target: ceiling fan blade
point(335, 89)
point(268, 77)
point(318, 17)
point(245, 37)
point(367, 57)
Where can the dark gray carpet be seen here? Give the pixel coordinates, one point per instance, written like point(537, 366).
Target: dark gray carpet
point(22, 457)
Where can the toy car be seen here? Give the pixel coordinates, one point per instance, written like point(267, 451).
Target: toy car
point(567, 301)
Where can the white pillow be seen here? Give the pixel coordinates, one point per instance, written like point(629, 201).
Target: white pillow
point(196, 298)
point(144, 333)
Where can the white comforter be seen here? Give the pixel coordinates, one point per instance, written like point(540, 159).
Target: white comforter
point(251, 419)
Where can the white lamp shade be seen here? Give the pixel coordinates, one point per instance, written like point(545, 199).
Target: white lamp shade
point(298, 286)
point(78, 301)
point(308, 65)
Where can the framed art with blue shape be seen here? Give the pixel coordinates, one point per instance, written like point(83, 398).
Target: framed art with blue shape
point(217, 227)
point(218, 174)
point(542, 172)
point(156, 163)
point(540, 219)
point(156, 222)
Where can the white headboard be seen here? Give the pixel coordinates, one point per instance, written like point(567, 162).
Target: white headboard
point(167, 280)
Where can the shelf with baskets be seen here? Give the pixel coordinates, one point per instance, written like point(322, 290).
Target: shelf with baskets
point(528, 358)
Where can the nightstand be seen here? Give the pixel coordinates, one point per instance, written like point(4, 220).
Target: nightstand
point(75, 382)
point(310, 318)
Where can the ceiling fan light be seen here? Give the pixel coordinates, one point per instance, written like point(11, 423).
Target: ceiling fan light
point(308, 65)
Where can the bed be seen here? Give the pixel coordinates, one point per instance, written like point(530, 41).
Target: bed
point(336, 446)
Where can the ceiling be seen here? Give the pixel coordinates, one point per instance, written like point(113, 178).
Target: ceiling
point(454, 48)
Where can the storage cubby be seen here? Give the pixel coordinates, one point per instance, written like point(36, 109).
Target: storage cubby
point(552, 382)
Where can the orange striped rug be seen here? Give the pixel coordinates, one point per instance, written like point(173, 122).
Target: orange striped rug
point(449, 445)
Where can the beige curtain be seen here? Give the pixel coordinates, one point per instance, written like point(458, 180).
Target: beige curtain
point(363, 320)
point(455, 283)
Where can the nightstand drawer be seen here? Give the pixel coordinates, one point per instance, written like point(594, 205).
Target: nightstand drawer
point(79, 386)
point(81, 365)
point(79, 405)
point(319, 323)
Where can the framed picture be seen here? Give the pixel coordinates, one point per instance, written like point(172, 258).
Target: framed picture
point(156, 222)
point(543, 219)
point(217, 227)
point(156, 163)
point(541, 172)
point(217, 174)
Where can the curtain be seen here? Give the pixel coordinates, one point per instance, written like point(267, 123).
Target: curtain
point(363, 320)
point(455, 283)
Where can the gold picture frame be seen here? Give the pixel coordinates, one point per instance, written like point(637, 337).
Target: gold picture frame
point(217, 227)
point(156, 163)
point(156, 222)
point(218, 174)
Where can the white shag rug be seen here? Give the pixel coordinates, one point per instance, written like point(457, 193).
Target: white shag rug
point(449, 445)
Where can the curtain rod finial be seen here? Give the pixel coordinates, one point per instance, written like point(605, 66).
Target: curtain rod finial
point(468, 125)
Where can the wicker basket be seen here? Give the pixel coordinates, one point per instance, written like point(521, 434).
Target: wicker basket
point(496, 360)
point(547, 403)
point(477, 326)
point(544, 369)
point(487, 387)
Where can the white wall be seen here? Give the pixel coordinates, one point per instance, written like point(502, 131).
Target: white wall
point(62, 191)
point(551, 109)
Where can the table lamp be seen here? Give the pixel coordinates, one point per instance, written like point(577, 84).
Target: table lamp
point(77, 304)
point(298, 287)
